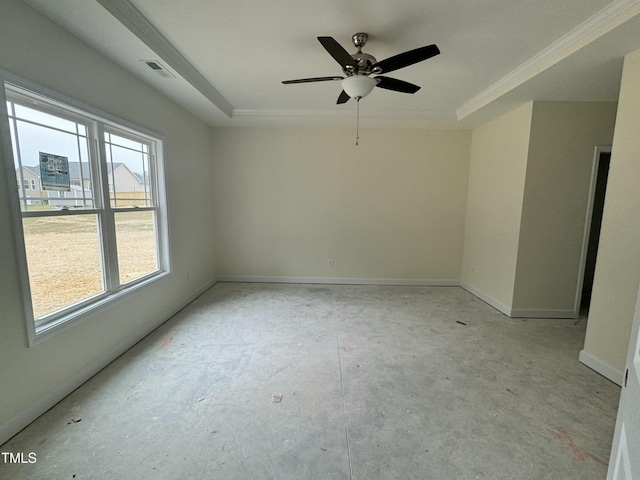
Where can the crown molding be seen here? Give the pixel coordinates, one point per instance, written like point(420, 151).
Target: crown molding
point(344, 119)
point(607, 19)
point(340, 113)
point(138, 24)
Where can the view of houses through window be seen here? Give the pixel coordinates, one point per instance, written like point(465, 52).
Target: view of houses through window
point(88, 201)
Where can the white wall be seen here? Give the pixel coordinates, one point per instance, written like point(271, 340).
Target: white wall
point(617, 273)
point(33, 379)
point(499, 152)
point(288, 199)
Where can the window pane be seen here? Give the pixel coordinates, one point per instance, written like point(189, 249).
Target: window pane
point(33, 139)
point(64, 260)
point(128, 165)
point(128, 172)
point(136, 239)
point(37, 116)
point(123, 142)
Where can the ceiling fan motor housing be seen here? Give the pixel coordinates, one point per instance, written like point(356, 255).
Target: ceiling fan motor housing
point(365, 61)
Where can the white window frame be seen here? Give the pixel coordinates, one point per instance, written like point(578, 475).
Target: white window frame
point(51, 324)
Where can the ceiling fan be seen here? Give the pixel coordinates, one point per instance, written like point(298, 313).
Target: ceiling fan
point(363, 71)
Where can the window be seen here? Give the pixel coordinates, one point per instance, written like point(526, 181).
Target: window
point(96, 229)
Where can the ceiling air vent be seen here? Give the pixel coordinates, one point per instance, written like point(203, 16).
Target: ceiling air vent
point(158, 68)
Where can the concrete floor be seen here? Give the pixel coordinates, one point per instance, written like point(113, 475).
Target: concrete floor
point(265, 381)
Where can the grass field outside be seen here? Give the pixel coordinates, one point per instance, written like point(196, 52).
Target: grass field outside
point(65, 261)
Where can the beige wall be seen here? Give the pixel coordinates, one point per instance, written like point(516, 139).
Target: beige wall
point(556, 194)
point(404, 204)
point(529, 185)
point(618, 266)
point(288, 199)
point(32, 378)
point(494, 206)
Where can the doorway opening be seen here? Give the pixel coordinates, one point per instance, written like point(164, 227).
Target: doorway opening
point(600, 174)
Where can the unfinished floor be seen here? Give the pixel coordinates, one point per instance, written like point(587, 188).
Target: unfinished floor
point(267, 381)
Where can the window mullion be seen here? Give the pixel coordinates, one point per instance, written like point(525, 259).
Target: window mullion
point(106, 218)
point(84, 193)
point(154, 189)
point(12, 119)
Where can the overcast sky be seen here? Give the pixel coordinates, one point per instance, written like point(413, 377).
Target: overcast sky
point(34, 139)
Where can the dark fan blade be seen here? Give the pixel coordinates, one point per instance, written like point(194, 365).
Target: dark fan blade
point(396, 85)
point(405, 59)
point(343, 98)
point(337, 52)
point(315, 79)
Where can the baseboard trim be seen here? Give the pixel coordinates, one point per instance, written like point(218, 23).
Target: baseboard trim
point(601, 367)
point(543, 313)
point(20, 421)
point(338, 280)
point(501, 307)
point(521, 312)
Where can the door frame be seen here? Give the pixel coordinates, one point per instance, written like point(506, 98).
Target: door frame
point(600, 149)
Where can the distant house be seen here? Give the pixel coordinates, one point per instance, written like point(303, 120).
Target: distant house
point(127, 183)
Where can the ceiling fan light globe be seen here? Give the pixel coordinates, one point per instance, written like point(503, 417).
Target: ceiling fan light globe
point(358, 86)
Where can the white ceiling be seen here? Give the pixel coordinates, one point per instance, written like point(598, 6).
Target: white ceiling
point(229, 57)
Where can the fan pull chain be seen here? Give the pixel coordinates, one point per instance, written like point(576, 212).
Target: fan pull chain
point(357, 120)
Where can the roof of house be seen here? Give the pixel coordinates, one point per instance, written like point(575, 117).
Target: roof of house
point(34, 170)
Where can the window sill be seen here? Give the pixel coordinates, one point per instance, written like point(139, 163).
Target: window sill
point(59, 324)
